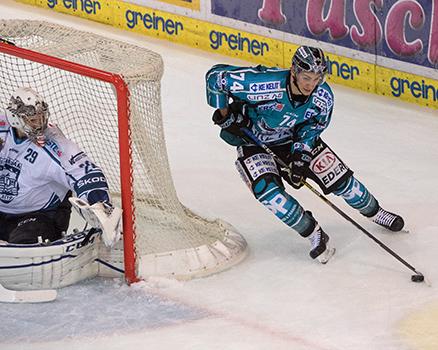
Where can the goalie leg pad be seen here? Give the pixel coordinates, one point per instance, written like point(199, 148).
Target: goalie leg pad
point(55, 265)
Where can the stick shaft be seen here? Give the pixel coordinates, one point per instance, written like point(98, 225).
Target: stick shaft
point(254, 138)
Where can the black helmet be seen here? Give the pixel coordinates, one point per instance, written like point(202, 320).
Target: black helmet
point(309, 59)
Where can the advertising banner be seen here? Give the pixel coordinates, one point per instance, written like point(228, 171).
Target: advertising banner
point(403, 30)
point(388, 47)
point(191, 4)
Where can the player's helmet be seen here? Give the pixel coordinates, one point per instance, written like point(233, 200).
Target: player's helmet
point(309, 59)
point(28, 112)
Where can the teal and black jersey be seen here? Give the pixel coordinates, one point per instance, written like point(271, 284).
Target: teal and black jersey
point(276, 118)
point(290, 125)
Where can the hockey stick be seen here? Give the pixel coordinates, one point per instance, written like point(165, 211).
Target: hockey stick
point(26, 296)
point(418, 277)
point(6, 41)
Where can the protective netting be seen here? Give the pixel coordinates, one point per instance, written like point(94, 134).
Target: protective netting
point(87, 112)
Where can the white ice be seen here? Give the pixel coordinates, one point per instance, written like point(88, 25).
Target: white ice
point(277, 298)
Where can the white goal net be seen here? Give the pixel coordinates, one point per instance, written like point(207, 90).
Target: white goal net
point(105, 95)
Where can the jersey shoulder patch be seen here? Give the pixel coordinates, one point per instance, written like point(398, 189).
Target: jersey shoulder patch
point(323, 98)
point(59, 146)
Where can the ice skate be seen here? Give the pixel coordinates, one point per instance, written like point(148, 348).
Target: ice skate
point(388, 220)
point(320, 248)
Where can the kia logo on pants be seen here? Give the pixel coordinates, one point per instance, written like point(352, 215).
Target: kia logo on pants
point(323, 162)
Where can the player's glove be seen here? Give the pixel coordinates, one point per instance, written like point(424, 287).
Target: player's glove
point(235, 120)
point(101, 215)
point(299, 165)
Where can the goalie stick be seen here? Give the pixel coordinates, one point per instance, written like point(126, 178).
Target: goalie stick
point(26, 296)
point(2, 40)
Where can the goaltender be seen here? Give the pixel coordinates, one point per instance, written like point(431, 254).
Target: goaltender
point(39, 170)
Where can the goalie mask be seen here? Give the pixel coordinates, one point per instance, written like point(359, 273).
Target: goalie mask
point(309, 59)
point(28, 113)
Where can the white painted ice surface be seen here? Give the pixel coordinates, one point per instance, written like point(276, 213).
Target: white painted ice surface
point(277, 298)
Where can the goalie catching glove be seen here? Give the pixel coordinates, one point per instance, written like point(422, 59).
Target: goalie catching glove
point(101, 215)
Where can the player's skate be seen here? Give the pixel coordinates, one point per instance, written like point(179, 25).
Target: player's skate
point(319, 245)
point(388, 220)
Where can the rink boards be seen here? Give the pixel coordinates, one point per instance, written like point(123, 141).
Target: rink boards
point(192, 24)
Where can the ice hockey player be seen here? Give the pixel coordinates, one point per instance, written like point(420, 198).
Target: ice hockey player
point(39, 170)
point(288, 109)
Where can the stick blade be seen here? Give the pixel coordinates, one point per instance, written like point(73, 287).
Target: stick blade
point(27, 296)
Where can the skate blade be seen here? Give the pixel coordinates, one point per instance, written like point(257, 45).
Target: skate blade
point(327, 255)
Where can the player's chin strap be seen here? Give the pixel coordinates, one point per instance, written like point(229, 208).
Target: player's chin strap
point(102, 216)
point(252, 137)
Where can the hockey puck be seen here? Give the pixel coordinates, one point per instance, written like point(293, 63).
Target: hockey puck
point(417, 278)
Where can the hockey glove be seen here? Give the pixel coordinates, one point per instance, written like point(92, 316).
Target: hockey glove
point(235, 119)
point(103, 216)
point(299, 165)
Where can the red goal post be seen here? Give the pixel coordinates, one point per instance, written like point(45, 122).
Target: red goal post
point(105, 95)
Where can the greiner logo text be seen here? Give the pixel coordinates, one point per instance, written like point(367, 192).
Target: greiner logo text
point(342, 70)
point(153, 21)
point(415, 88)
point(87, 6)
point(237, 42)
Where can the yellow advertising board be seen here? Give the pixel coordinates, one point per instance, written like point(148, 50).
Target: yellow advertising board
point(244, 45)
point(96, 10)
point(407, 87)
point(341, 70)
point(198, 34)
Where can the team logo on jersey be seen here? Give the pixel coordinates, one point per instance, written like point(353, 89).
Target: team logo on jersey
point(269, 134)
point(265, 97)
point(9, 172)
point(265, 87)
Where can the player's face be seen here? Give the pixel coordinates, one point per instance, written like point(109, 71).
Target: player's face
point(308, 81)
point(35, 122)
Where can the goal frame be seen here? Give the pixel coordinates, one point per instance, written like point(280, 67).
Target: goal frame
point(123, 112)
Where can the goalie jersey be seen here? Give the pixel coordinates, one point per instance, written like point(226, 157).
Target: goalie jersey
point(276, 118)
point(34, 178)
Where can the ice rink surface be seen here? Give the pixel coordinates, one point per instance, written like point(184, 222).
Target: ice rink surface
point(277, 298)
